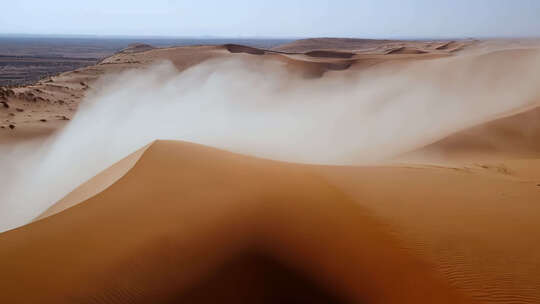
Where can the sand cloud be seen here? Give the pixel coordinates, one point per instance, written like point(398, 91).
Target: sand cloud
point(257, 107)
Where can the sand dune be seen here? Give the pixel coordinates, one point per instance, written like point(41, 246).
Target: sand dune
point(138, 241)
point(50, 103)
point(386, 225)
point(235, 48)
point(306, 45)
point(513, 137)
point(406, 50)
point(372, 45)
point(477, 224)
point(329, 54)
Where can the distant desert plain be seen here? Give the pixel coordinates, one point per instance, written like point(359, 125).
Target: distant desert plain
point(323, 170)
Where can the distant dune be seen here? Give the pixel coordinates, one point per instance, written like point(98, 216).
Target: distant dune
point(406, 50)
point(50, 103)
point(306, 45)
point(513, 137)
point(367, 45)
point(235, 48)
point(329, 54)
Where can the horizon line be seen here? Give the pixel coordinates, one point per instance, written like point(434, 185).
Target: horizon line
point(119, 36)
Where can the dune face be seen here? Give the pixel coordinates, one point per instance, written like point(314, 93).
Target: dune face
point(329, 54)
point(235, 48)
point(372, 46)
point(312, 219)
point(203, 208)
point(97, 184)
point(514, 137)
point(407, 50)
point(477, 225)
point(388, 172)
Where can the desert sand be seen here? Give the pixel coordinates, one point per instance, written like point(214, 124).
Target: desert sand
point(454, 220)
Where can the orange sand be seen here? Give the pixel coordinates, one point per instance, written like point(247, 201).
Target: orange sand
point(179, 222)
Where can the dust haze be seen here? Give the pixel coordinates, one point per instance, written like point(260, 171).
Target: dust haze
point(257, 107)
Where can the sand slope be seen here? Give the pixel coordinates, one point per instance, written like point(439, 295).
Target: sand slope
point(96, 184)
point(183, 210)
point(513, 137)
point(373, 45)
point(369, 234)
point(478, 223)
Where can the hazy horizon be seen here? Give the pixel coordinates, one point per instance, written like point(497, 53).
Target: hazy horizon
point(389, 19)
point(230, 37)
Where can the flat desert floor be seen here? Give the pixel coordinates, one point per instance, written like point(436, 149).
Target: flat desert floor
point(441, 207)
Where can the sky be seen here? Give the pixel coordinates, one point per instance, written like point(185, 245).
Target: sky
point(275, 18)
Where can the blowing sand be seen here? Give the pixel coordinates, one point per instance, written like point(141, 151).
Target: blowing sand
point(447, 217)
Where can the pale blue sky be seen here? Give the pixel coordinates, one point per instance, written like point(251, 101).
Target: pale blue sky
point(275, 18)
